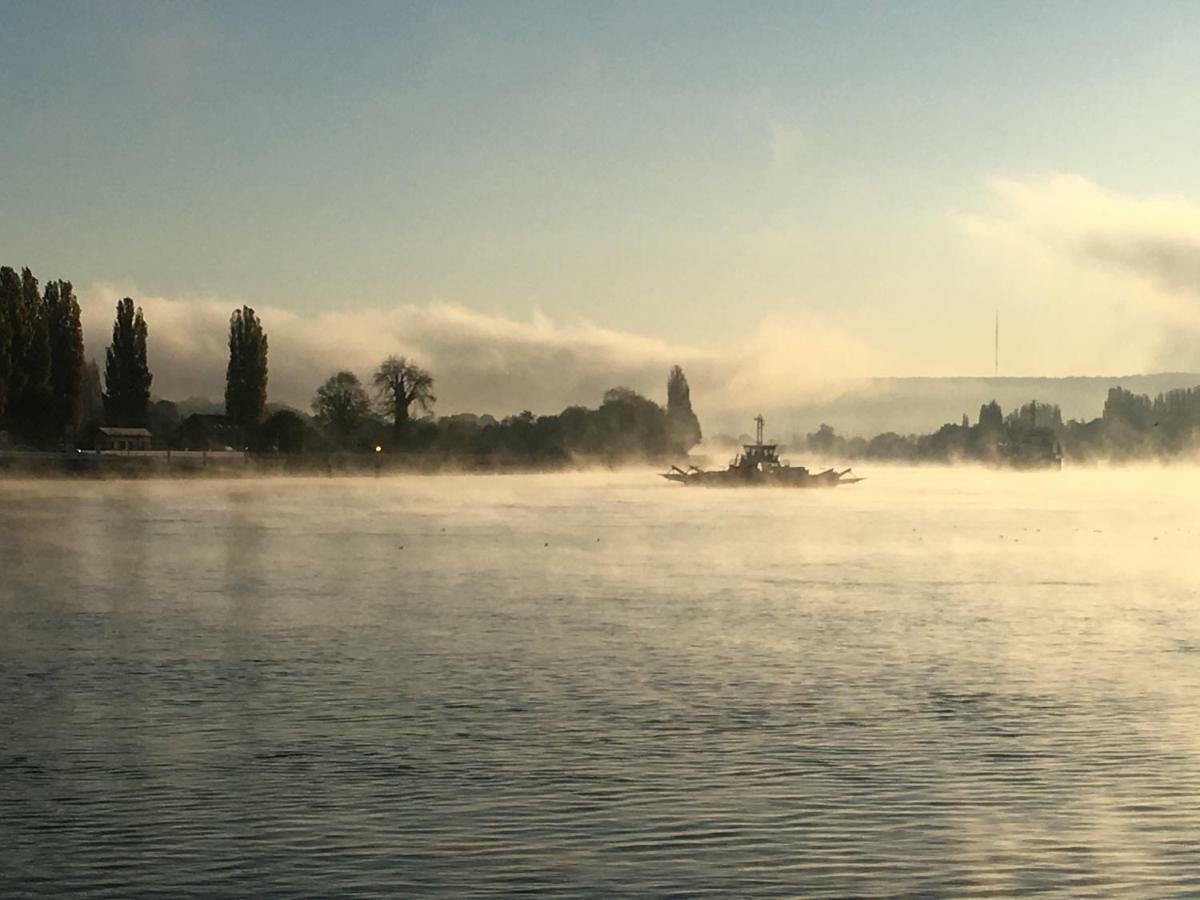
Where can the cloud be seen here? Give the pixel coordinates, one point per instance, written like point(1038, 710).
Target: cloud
point(1155, 241)
point(1172, 263)
point(1118, 272)
point(483, 362)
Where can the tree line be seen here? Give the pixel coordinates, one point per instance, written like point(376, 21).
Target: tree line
point(1027, 435)
point(43, 374)
point(1130, 426)
point(51, 397)
point(625, 426)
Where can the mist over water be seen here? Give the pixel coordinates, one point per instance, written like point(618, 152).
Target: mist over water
point(944, 680)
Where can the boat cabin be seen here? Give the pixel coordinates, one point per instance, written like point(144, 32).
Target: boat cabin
point(758, 456)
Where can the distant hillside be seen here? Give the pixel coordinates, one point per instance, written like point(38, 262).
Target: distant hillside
point(907, 405)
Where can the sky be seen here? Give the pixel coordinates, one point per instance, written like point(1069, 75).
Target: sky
point(540, 200)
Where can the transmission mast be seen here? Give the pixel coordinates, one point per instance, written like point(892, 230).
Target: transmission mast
point(996, 358)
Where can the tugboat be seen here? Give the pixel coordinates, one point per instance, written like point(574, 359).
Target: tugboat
point(759, 466)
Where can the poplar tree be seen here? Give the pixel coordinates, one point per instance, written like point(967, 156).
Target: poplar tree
point(5, 351)
point(11, 343)
point(61, 310)
point(246, 375)
point(29, 389)
point(682, 421)
point(126, 374)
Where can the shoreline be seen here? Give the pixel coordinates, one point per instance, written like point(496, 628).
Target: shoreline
point(132, 465)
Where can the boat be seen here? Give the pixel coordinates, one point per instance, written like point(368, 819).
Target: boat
point(759, 465)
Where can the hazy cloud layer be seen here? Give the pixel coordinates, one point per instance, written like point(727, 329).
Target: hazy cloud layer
point(1171, 262)
point(1091, 251)
point(485, 363)
point(1154, 239)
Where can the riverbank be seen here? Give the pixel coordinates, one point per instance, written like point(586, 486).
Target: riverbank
point(234, 464)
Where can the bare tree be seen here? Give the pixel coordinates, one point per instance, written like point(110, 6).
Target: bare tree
point(401, 384)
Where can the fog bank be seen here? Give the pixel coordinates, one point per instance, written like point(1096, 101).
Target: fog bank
point(487, 363)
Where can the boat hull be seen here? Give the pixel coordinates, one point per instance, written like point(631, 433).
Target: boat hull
point(783, 477)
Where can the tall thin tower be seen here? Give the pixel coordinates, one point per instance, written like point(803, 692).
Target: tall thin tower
point(996, 358)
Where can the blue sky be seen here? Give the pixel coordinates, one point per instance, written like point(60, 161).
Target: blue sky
point(692, 173)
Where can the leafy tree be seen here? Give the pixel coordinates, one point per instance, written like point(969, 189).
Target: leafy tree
point(126, 373)
point(341, 405)
point(1034, 414)
point(1127, 408)
point(991, 417)
point(284, 431)
point(824, 440)
point(627, 425)
point(890, 445)
point(246, 375)
point(162, 421)
point(66, 354)
point(685, 427)
point(401, 384)
point(948, 443)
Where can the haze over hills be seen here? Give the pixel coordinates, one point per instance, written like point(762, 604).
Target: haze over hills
point(863, 409)
point(908, 405)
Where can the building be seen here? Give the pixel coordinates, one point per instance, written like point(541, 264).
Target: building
point(125, 439)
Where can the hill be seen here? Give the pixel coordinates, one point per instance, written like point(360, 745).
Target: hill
point(908, 405)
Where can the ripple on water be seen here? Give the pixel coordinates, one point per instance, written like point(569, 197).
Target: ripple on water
point(719, 698)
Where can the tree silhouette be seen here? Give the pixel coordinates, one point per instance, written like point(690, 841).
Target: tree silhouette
point(246, 374)
point(41, 355)
point(126, 374)
point(66, 354)
point(823, 440)
point(400, 384)
point(284, 432)
point(341, 405)
point(628, 425)
point(684, 426)
point(991, 417)
point(31, 359)
point(9, 296)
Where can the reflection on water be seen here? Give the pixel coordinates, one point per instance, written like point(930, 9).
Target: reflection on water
point(945, 682)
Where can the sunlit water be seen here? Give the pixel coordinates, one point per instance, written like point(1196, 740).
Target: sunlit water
point(940, 682)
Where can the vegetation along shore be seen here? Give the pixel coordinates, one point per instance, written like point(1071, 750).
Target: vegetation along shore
point(60, 414)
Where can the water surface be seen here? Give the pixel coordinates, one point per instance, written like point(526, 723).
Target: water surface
point(948, 682)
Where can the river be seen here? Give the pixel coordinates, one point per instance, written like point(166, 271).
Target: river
point(943, 681)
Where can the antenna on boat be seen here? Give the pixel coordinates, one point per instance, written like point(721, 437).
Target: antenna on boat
point(758, 421)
